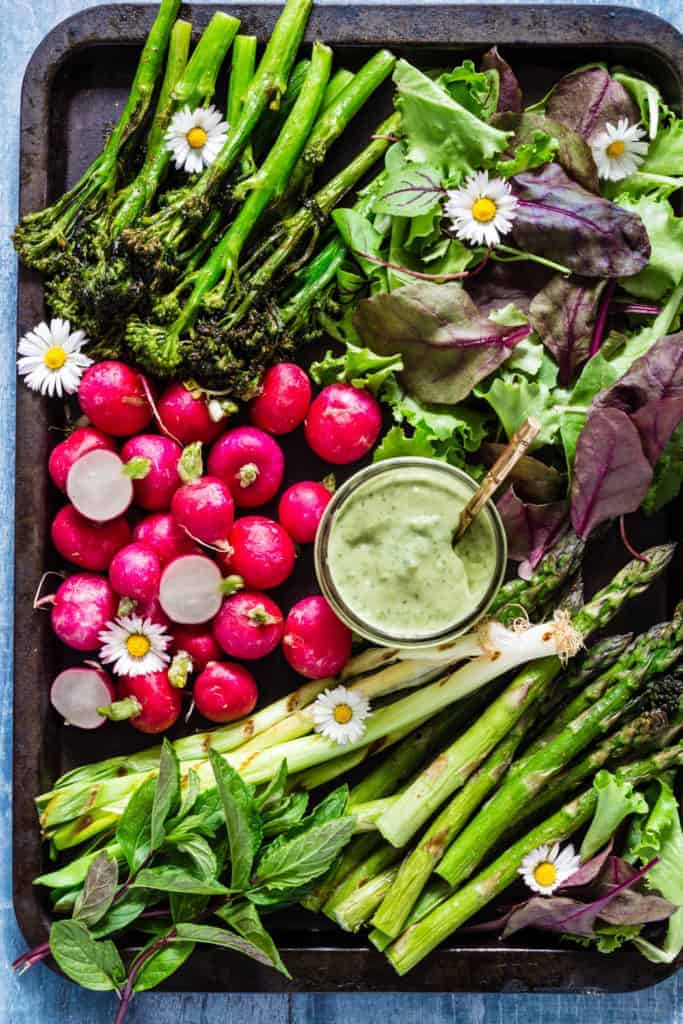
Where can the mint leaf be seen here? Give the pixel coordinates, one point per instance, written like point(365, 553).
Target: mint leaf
point(174, 879)
point(244, 918)
point(241, 818)
point(93, 965)
point(96, 897)
point(285, 815)
point(166, 794)
point(134, 831)
point(301, 860)
point(162, 965)
point(123, 913)
point(228, 940)
point(201, 854)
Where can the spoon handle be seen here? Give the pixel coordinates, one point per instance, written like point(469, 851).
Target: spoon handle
point(503, 465)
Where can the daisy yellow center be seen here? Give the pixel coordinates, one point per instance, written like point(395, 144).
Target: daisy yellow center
point(484, 209)
point(545, 873)
point(616, 149)
point(342, 714)
point(137, 645)
point(196, 138)
point(55, 357)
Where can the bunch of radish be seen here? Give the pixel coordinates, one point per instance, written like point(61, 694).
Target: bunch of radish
point(180, 552)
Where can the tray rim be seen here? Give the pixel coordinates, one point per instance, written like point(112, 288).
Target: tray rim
point(126, 24)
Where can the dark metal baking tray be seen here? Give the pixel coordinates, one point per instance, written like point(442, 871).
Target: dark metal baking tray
point(74, 86)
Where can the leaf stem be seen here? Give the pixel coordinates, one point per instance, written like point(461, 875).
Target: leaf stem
point(599, 331)
point(519, 254)
point(627, 544)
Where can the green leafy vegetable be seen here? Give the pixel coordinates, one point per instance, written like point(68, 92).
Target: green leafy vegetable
point(94, 965)
point(228, 940)
point(241, 817)
point(166, 793)
point(300, 860)
point(668, 475)
point(99, 888)
point(665, 231)
point(134, 830)
point(167, 878)
point(616, 801)
point(162, 965)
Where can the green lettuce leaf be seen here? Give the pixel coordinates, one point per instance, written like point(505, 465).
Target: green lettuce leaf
point(665, 231)
point(646, 96)
point(477, 91)
point(616, 801)
point(642, 341)
point(540, 150)
point(665, 155)
point(596, 375)
point(358, 366)
point(440, 131)
point(662, 836)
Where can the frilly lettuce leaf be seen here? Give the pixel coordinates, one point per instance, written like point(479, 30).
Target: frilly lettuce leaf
point(357, 366)
point(477, 91)
point(573, 153)
point(616, 801)
point(439, 131)
point(665, 231)
point(662, 836)
point(646, 95)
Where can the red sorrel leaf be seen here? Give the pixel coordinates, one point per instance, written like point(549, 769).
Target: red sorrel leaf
point(504, 283)
point(574, 153)
point(589, 871)
point(611, 474)
point(586, 100)
point(509, 92)
point(651, 394)
point(563, 314)
point(447, 345)
point(532, 479)
point(558, 219)
point(531, 529)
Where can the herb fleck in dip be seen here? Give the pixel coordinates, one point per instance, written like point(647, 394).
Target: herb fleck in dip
point(390, 556)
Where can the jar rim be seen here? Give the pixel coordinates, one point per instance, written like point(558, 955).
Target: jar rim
point(331, 592)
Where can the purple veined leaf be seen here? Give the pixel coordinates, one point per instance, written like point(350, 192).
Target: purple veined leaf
point(574, 154)
point(589, 871)
point(531, 530)
point(651, 394)
point(509, 92)
point(564, 314)
point(558, 219)
point(611, 473)
point(532, 479)
point(505, 283)
point(586, 100)
point(447, 345)
point(577, 917)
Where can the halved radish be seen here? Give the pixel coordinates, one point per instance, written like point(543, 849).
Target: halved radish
point(77, 693)
point(190, 589)
point(100, 485)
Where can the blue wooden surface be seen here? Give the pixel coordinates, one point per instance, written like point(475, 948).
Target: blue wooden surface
point(41, 995)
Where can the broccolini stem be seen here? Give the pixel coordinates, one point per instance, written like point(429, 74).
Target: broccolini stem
point(241, 74)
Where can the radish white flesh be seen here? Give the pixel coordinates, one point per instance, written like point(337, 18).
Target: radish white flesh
point(190, 589)
point(98, 486)
point(77, 693)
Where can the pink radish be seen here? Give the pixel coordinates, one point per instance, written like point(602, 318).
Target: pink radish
point(198, 642)
point(261, 552)
point(205, 509)
point(185, 415)
point(301, 509)
point(283, 401)
point(68, 451)
point(135, 572)
point(151, 610)
point(315, 643)
point(225, 691)
point(250, 462)
point(100, 485)
point(149, 703)
point(81, 608)
point(77, 693)
point(161, 533)
point(112, 396)
point(190, 589)
point(89, 545)
point(343, 423)
point(154, 491)
point(249, 625)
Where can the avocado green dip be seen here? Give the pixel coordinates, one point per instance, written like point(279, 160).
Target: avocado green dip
point(390, 554)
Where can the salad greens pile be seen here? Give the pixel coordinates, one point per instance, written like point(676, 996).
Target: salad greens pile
point(573, 322)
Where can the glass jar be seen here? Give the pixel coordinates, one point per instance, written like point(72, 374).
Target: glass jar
point(384, 558)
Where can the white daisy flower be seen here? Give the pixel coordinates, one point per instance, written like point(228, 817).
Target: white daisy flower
point(619, 151)
point(196, 137)
point(482, 210)
point(51, 360)
point(134, 646)
point(545, 869)
point(340, 715)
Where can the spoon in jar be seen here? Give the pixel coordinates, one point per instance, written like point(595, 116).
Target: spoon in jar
point(504, 464)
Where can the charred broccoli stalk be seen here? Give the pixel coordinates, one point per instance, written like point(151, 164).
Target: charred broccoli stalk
point(42, 237)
